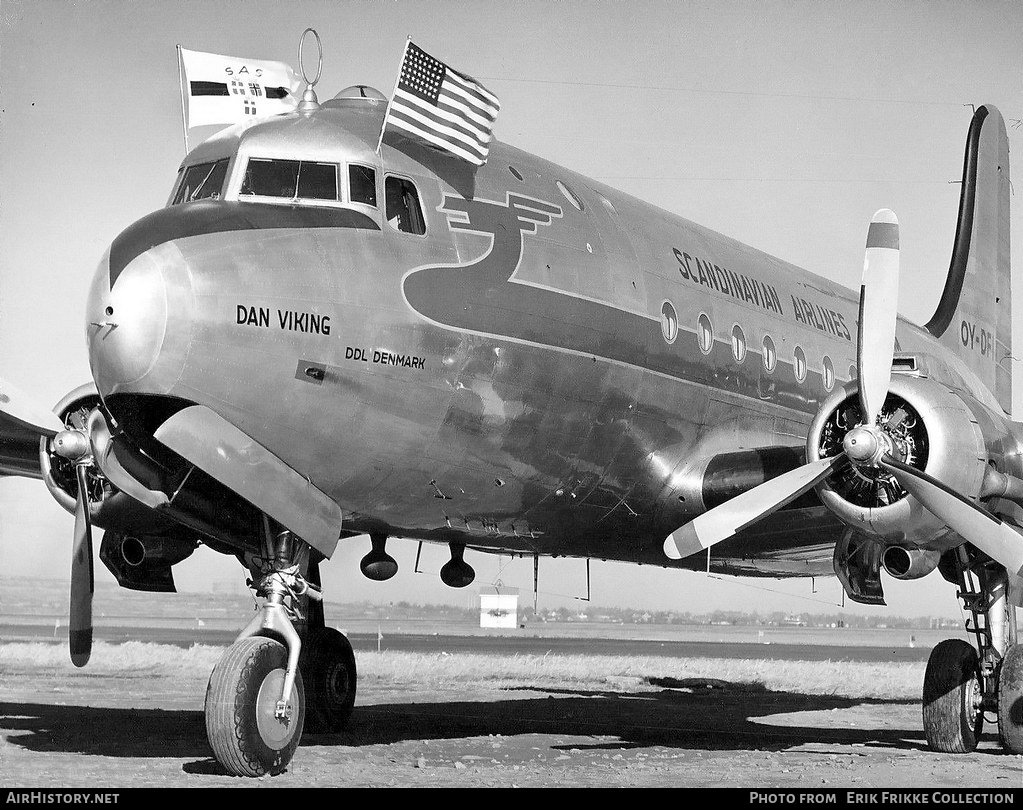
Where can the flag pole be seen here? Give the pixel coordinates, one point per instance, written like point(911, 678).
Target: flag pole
point(181, 89)
point(390, 101)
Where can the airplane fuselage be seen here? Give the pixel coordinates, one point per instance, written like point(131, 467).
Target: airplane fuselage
point(548, 368)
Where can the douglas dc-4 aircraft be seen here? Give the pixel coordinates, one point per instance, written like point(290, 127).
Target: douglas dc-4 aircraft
point(339, 326)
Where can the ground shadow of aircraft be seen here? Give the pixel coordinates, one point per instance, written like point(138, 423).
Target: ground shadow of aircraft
point(719, 719)
point(722, 718)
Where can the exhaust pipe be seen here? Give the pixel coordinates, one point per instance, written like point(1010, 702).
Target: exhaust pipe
point(909, 563)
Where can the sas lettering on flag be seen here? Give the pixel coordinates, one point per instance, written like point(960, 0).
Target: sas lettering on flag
point(218, 89)
point(439, 105)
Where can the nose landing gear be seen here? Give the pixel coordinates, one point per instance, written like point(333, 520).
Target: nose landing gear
point(256, 706)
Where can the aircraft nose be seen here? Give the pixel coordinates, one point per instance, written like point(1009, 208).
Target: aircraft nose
point(126, 321)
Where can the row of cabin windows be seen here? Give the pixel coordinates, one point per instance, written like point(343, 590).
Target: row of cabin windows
point(769, 353)
point(307, 181)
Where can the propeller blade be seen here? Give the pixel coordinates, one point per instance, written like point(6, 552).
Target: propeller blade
point(879, 294)
point(995, 538)
point(22, 423)
point(82, 582)
point(723, 521)
point(18, 408)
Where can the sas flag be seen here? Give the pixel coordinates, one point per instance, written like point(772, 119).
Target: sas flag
point(225, 89)
point(443, 107)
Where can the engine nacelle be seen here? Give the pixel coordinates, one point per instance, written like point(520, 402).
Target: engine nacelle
point(932, 429)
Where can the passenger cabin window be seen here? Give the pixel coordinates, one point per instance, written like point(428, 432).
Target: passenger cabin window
point(402, 206)
point(738, 343)
point(291, 180)
point(669, 322)
point(770, 354)
point(362, 184)
point(829, 373)
point(799, 364)
point(705, 333)
point(201, 182)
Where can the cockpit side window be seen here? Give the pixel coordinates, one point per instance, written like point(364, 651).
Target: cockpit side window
point(362, 183)
point(402, 206)
point(201, 181)
point(290, 179)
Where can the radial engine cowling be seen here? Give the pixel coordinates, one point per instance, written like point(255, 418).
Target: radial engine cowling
point(930, 428)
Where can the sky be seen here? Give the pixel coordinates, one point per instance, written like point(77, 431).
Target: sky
point(783, 124)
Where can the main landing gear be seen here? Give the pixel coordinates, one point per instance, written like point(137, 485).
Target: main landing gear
point(964, 681)
point(287, 672)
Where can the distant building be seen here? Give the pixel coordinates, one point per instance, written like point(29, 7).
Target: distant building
point(499, 606)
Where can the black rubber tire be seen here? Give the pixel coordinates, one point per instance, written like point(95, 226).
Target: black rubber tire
point(1010, 700)
point(240, 699)
point(330, 676)
point(952, 717)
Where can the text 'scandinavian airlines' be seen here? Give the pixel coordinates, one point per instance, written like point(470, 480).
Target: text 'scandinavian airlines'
point(365, 316)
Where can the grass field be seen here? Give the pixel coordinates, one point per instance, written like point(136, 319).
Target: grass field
point(447, 670)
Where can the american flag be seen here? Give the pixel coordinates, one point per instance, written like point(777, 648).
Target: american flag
point(442, 106)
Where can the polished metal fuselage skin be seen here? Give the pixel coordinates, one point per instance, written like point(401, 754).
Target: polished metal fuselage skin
point(528, 376)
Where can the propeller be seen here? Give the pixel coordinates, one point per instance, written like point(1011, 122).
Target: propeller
point(22, 423)
point(865, 444)
point(74, 445)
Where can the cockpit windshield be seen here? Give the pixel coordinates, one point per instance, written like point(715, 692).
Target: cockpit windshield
point(201, 181)
point(291, 179)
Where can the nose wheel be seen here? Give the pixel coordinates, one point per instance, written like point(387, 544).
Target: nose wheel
point(249, 733)
point(255, 701)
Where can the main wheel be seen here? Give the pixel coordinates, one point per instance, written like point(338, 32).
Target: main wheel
point(328, 670)
point(953, 717)
point(1010, 700)
point(241, 699)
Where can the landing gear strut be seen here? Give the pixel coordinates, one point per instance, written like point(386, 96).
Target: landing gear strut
point(963, 681)
point(256, 705)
